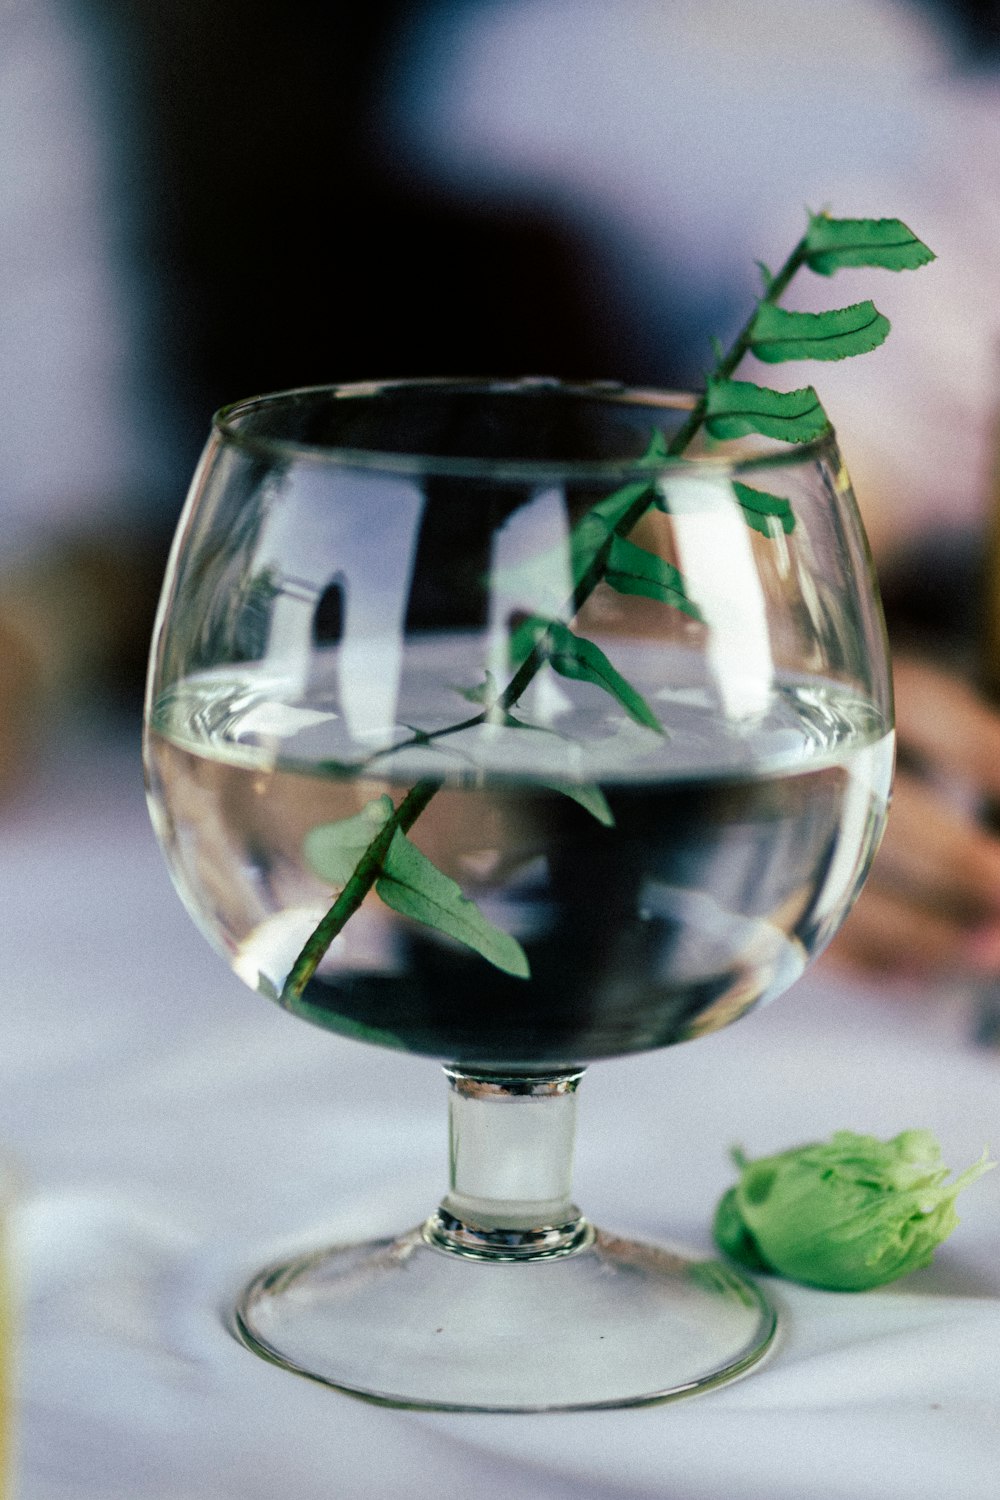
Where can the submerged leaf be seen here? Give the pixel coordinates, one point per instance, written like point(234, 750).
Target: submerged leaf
point(375, 1036)
point(777, 334)
point(414, 886)
point(848, 1214)
point(575, 657)
point(634, 570)
point(737, 407)
point(332, 850)
point(835, 243)
point(759, 505)
point(589, 796)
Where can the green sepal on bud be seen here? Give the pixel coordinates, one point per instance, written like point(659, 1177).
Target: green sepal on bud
point(845, 1215)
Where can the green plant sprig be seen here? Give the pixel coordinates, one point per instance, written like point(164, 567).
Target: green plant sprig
point(731, 409)
point(726, 362)
point(601, 553)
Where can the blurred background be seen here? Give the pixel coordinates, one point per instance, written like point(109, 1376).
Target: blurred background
point(201, 202)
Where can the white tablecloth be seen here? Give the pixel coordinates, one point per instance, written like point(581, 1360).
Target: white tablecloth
point(172, 1131)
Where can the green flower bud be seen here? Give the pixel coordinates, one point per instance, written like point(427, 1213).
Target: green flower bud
point(849, 1214)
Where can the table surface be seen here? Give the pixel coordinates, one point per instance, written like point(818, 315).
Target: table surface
point(171, 1131)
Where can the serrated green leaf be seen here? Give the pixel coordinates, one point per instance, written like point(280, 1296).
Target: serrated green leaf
point(414, 886)
point(737, 407)
point(777, 334)
point(832, 244)
point(575, 657)
point(332, 850)
point(589, 796)
point(758, 505)
point(633, 570)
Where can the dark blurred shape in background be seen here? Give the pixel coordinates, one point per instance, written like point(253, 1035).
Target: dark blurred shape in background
point(220, 213)
point(290, 246)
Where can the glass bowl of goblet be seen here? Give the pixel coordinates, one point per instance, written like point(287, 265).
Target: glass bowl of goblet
point(518, 725)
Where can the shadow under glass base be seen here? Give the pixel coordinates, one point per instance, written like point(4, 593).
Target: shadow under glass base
point(611, 1322)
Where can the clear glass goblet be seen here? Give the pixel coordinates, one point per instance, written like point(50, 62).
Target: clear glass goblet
point(518, 725)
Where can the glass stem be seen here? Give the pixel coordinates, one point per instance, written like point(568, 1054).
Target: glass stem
point(511, 1160)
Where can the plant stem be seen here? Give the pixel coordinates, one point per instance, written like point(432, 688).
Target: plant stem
point(725, 366)
point(369, 867)
point(366, 872)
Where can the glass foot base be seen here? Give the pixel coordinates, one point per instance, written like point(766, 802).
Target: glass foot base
point(405, 1323)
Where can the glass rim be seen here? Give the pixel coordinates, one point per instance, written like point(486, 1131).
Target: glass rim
point(768, 454)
